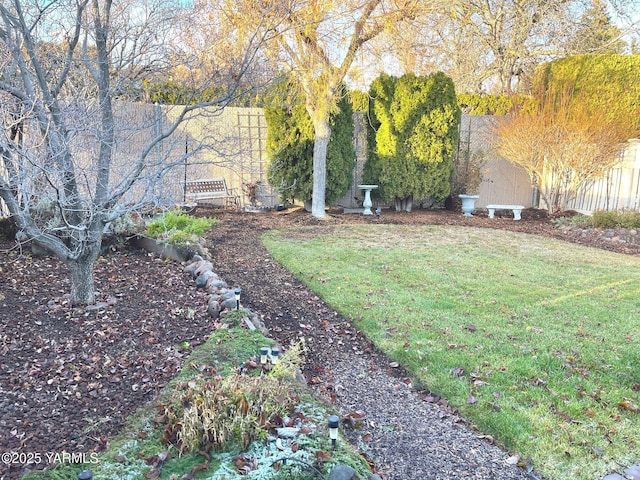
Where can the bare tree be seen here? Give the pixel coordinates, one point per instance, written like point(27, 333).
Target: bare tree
point(494, 45)
point(562, 146)
point(595, 32)
point(67, 166)
point(317, 42)
point(212, 46)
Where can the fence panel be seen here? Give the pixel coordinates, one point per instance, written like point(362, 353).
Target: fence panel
point(619, 189)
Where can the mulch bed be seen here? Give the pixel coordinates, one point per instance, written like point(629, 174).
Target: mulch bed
point(69, 376)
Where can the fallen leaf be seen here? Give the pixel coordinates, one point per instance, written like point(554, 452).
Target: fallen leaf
point(322, 456)
point(197, 468)
point(205, 454)
point(153, 473)
point(626, 405)
point(513, 460)
point(488, 438)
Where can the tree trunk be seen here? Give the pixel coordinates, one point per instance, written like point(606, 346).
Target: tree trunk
point(403, 204)
point(323, 133)
point(408, 204)
point(82, 282)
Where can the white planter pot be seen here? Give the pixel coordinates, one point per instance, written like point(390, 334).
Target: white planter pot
point(468, 203)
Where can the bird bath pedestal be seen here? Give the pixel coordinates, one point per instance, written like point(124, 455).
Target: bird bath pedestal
point(367, 198)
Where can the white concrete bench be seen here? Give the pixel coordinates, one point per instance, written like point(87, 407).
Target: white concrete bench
point(517, 210)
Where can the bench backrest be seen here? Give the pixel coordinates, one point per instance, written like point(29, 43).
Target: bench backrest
point(210, 186)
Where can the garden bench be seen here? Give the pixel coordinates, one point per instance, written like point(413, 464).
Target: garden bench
point(517, 210)
point(210, 192)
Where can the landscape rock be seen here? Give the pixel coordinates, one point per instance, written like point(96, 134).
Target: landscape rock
point(227, 293)
point(633, 472)
point(202, 279)
point(215, 284)
point(215, 296)
point(193, 264)
point(342, 472)
point(213, 308)
point(203, 267)
point(228, 303)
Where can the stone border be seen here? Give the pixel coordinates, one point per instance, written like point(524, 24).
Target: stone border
point(219, 296)
point(221, 299)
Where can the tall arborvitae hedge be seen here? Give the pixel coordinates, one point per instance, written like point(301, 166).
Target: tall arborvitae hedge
point(290, 138)
point(414, 130)
point(476, 104)
point(607, 86)
point(359, 100)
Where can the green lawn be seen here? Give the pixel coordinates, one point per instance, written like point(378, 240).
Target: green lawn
point(535, 341)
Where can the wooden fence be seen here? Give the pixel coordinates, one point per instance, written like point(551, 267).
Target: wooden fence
point(239, 156)
point(619, 189)
point(505, 183)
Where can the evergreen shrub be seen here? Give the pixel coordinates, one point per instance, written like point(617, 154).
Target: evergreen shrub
point(177, 226)
point(290, 144)
point(606, 85)
point(615, 218)
point(412, 137)
point(476, 104)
